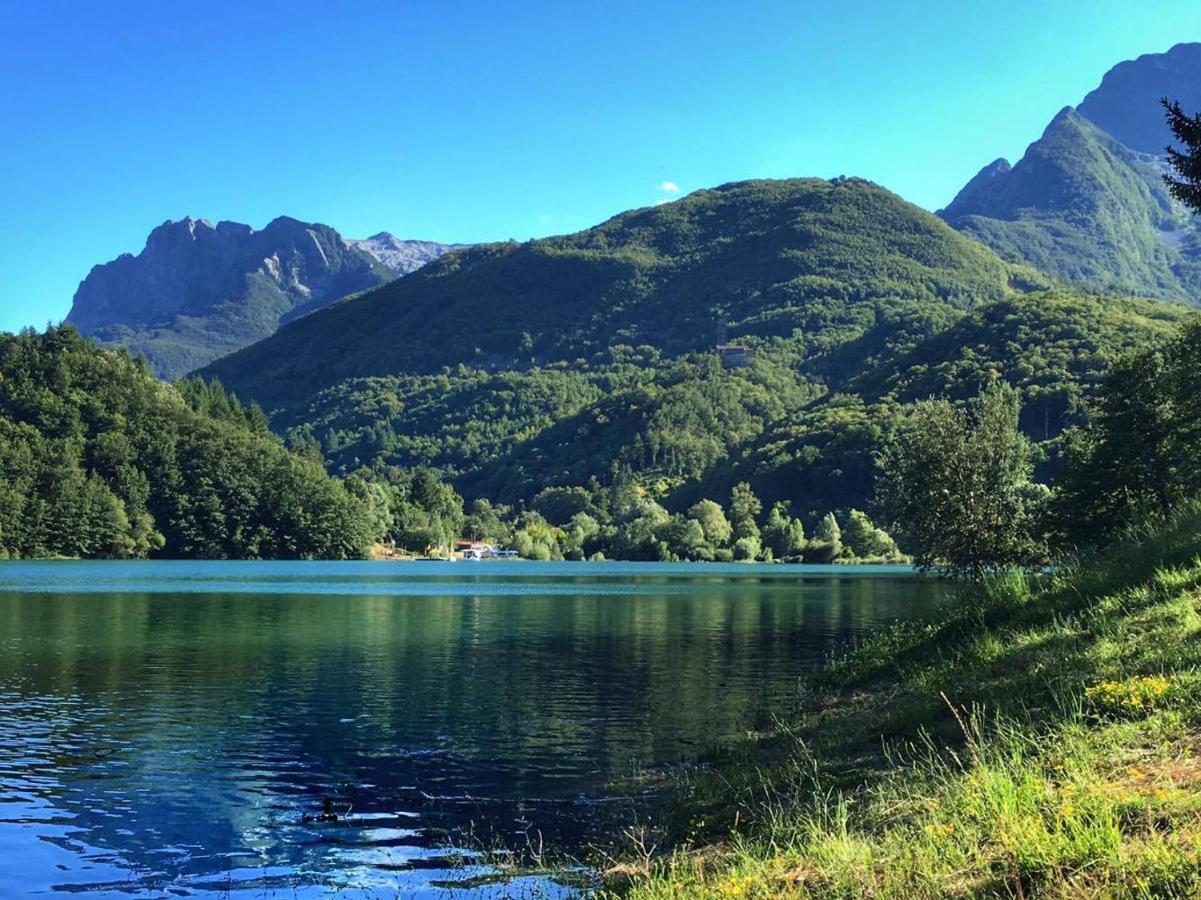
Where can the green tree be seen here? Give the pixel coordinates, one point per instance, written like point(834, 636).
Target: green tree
point(1140, 456)
point(685, 538)
point(580, 533)
point(782, 534)
point(713, 522)
point(826, 545)
point(486, 522)
point(865, 540)
point(1124, 466)
point(747, 549)
point(1185, 161)
point(956, 485)
point(744, 511)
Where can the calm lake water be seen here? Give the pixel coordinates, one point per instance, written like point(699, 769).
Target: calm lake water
point(167, 728)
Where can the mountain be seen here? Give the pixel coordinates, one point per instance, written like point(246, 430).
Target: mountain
point(1087, 204)
point(1086, 209)
point(402, 256)
point(554, 364)
point(557, 370)
point(804, 264)
point(198, 291)
point(1126, 105)
point(980, 184)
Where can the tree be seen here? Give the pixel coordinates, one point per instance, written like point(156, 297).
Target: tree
point(744, 510)
point(955, 483)
point(747, 548)
point(486, 523)
point(1185, 185)
point(782, 534)
point(864, 539)
point(685, 538)
point(580, 532)
point(559, 504)
point(639, 531)
point(713, 522)
point(1141, 454)
point(826, 545)
point(1121, 467)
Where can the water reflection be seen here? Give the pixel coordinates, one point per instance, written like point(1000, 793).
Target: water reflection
point(175, 728)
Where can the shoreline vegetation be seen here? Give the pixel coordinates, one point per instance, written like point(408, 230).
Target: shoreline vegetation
point(98, 459)
point(1042, 739)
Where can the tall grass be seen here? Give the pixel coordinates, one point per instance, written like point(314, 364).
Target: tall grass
point(1044, 739)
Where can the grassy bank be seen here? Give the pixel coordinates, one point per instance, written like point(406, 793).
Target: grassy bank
point(1043, 740)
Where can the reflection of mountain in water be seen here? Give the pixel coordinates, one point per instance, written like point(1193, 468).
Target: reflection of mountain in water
point(178, 741)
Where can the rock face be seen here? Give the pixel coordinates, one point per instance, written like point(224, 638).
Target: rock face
point(199, 291)
point(1126, 105)
point(402, 256)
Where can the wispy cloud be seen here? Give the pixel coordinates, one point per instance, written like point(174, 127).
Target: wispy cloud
point(670, 187)
point(663, 201)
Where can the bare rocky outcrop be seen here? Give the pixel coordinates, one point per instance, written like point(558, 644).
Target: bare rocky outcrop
point(198, 291)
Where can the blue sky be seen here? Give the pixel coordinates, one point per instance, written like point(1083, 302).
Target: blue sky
point(476, 121)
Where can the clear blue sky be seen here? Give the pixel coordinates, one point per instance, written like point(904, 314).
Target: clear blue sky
point(476, 121)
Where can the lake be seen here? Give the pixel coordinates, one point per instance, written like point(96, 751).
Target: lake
point(177, 729)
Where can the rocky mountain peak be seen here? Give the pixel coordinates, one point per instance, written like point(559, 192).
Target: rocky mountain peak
point(980, 181)
point(402, 256)
point(199, 290)
point(1126, 104)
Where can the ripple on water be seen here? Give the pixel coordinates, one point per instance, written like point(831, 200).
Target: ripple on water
point(179, 729)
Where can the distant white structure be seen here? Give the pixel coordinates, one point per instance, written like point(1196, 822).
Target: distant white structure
point(481, 550)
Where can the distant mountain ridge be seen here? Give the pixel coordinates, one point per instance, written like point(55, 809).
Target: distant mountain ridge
point(1086, 203)
point(1126, 104)
point(198, 291)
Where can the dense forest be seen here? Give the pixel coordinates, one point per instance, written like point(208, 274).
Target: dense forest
point(100, 459)
point(681, 430)
point(633, 452)
point(594, 359)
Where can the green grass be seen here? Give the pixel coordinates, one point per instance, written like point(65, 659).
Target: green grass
point(1044, 740)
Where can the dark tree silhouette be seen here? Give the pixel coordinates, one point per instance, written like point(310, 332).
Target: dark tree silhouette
point(1185, 185)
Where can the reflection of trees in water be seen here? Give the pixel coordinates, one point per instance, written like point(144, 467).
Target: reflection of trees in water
point(233, 714)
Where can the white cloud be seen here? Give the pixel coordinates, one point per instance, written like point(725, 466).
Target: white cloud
point(670, 187)
point(663, 202)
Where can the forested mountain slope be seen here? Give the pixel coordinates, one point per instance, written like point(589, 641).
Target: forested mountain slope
point(806, 263)
point(100, 459)
point(1087, 204)
point(556, 364)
